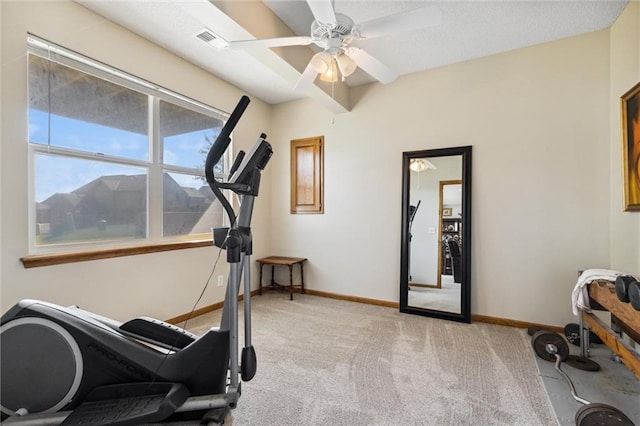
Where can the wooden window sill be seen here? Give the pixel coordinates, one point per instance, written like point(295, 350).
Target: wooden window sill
point(37, 260)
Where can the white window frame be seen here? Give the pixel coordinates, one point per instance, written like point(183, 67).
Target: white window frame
point(154, 166)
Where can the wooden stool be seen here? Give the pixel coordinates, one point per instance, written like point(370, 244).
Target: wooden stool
point(282, 261)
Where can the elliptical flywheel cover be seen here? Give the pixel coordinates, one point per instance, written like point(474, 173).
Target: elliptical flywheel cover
point(42, 366)
point(542, 338)
point(596, 414)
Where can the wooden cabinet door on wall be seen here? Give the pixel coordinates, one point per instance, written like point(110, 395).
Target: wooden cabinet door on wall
point(307, 175)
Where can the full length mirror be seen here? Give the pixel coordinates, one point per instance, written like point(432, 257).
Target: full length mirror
point(435, 273)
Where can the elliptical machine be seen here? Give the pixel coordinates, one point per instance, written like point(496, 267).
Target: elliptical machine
point(64, 365)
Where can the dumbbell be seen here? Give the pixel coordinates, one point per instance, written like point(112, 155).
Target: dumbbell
point(634, 295)
point(622, 287)
point(628, 290)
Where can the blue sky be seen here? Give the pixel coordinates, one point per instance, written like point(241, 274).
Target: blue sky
point(55, 174)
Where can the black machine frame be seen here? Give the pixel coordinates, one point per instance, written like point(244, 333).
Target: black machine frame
point(110, 359)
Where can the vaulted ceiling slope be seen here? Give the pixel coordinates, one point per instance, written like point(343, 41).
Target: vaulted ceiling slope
point(466, 30)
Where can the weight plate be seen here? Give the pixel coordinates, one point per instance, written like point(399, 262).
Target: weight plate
point(542, 338)
point(582, 363)
point(572, 333)
point(596, 414)
point(533, 330)
point(593, 338)
point(634, 295)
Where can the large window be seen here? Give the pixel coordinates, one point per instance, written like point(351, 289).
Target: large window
point(113, 159)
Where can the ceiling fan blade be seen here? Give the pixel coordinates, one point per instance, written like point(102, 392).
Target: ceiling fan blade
point(429, 16)
point(306, 79)
point(371, 65)
point(322, 11)
point(271, 42)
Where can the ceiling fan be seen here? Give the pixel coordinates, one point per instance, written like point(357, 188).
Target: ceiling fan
point(334, 33)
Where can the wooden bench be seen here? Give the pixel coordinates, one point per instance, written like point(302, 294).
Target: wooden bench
point(602, 296)
point(283, 261)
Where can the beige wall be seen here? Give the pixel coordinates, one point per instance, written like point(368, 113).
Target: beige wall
point(543, 122)
point(538, 122)
point(162, 285)
point(625, 73)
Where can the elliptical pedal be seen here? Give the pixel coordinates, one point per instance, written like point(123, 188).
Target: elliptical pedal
point(128, 404)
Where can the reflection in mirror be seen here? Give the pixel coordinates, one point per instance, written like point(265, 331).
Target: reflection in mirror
point(436, 230)
point(436, 285)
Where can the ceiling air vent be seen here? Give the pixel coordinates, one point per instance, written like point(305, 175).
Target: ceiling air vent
point(212, 39)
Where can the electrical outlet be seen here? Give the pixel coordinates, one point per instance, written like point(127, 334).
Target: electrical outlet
point(220, 280)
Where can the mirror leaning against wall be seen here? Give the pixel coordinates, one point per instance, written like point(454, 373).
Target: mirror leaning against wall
point(435, 254)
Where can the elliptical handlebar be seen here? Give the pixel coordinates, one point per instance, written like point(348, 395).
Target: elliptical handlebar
point(217, 151)
point(224, 139)
point(244, 176)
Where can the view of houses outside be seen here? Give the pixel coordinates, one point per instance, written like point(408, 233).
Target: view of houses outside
point(93, 157)
point(115, 207)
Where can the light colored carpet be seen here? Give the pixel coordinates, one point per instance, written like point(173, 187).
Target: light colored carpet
point(330, 362)
point(446, 298)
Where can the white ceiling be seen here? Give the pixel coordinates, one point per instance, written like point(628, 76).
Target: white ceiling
point(469, 29)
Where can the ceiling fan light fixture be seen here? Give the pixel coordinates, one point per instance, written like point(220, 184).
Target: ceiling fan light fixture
point(420, 165)
point(417, 165)
point(347, 65)
point(331, 74)
point(321, 62)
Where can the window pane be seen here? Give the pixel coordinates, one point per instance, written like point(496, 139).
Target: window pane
point(72, 109)
point(187, 136)
point(189, 206)
point(93, 154)
point(81, 200)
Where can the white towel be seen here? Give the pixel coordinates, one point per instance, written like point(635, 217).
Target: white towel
point(580, 295)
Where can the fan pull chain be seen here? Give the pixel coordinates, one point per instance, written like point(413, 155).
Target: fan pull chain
point(333, 117)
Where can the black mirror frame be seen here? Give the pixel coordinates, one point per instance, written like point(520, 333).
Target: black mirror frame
point(465, 287)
